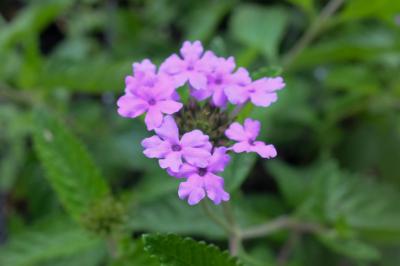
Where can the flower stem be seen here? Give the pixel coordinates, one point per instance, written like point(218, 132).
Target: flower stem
point(217, 220)
point(311, 32)
point(279, 224)
point(235, 240)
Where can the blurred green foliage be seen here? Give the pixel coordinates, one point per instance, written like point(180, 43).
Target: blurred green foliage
point(336, 127)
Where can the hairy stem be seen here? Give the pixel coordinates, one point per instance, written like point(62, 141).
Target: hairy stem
point(235, 240)
point(311, 32)
point(217, 220)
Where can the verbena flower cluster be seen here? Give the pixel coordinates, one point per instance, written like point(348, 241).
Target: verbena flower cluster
point(192, 141)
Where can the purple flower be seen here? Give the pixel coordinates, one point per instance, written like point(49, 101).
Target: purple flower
point(193, 147)
point(202, 181)
point(246, 139)
point(143, 73)
point(153, 94)
point(190, 67)
point(220, 78)
point(261, 92)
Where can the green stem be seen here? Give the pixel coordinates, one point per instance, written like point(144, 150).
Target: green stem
point(235, 240)
point(279, 224)
point(217, 220)
point(311, 32)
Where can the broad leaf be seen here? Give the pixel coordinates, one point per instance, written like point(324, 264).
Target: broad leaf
point(172, 215)
point(173, 250)
point(259, 27)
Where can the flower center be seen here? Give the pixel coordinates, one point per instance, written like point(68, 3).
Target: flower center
point(190, 67)
point(202, 171)
point(152, 102)
point(176, 147)
point(218, 81)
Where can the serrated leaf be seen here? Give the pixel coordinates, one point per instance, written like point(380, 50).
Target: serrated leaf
point(259, 27)
point(173, 250)
point(238, 169)
point(45, 241)
point(69, 168)
point(331, 195)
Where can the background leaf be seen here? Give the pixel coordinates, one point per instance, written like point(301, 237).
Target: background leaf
point(260, 28)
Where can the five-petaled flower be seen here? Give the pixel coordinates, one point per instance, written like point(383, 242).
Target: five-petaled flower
point(202, 181)
point(152, 94)
point(246, 139)
point(193, 147)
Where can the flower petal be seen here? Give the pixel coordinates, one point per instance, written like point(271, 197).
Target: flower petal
point(243, 146)
point(172, 160)
point(194, 138)
point(236, 132)
point(191, 50)
point(169, 107)
point(264, 99)
point(219, 159)
point(264, 150)
point(153, 118)
point(172, 65)
point(168, 130)
point(131, 106)
point(192, 189)
point(214, 186)
point(185, 171)
point(252, 128)
point(197, 80)
point(219, 98)
point(196, 156)
point(155, 147)
point(237, 94)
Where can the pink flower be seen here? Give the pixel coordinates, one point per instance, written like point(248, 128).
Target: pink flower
point(149, 93)
point(220, 78)
point(261, 92)
point(193, 147)
point(202, 181)
point(191, 67)
point(246, 139)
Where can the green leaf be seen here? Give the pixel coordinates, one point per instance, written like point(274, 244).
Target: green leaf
point(351, 248)
point(47, 240)
point(292, 182)
point(330, 195)
point(176, 216)
point(357, 9)
point(237, 170)
point(306, 5)
point(259, 27)
point(204, 19)
point(357, 43)
point(173, 250)
point(69, 168)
